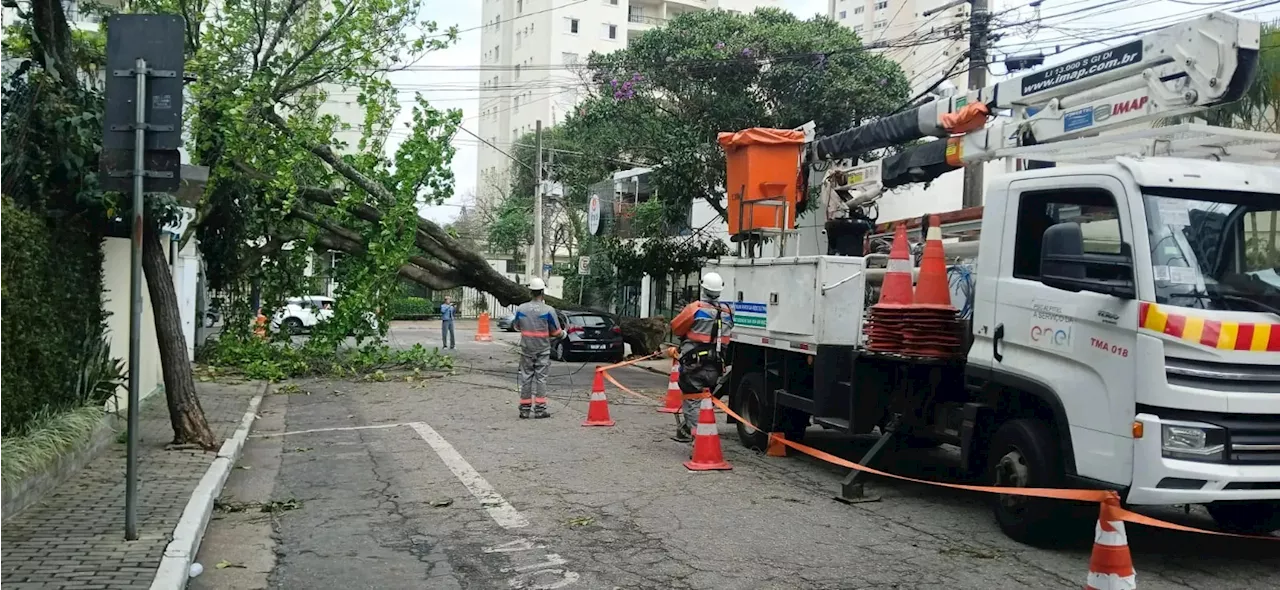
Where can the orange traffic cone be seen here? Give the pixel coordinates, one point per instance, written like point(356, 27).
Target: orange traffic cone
point(482, 328)
point(707, 455)
point(598, 409)
point(776, 448)
point(933, 289)
point(674, 397)
point(1110, 566)
point(260, 325)
point(887, 317)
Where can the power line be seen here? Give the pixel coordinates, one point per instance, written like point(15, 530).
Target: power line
point(514, 18)
point(497, 149)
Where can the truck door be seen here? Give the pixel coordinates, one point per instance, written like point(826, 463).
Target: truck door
point(1074, 351)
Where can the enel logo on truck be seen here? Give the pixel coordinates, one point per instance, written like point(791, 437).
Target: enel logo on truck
point(1053, 336)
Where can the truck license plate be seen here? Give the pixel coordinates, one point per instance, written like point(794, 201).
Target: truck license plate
point(597, 347)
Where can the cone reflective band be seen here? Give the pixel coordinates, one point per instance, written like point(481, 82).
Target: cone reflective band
point(598, 407)
point(1110, 565)
point(673, 402)
point(707, 455)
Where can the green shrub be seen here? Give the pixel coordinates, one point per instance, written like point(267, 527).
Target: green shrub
point(52, 316)
point(48, 436)
point(414, 308)
point(274, 361)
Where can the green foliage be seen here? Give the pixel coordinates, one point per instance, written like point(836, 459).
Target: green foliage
point(665, 256)
point(273, 361)
point(663, 99)
point(53, 321)
point(46, 437)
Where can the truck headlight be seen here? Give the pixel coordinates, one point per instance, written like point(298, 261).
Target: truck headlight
point(1193, 441)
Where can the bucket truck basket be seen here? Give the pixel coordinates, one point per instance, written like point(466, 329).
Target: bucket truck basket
point(762, 171)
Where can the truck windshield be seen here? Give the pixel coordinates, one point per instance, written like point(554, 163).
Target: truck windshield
point(1215, 250)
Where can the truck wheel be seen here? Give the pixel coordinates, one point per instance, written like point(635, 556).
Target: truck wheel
point(1023, 454)
point(1250, 518)
point(752, 403)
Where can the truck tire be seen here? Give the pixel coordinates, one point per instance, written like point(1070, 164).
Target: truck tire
point(752, 403)
point(1023, 454)
point(1250, 518)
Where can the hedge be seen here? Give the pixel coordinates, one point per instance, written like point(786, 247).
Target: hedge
point(415, 308)
point(52, 293)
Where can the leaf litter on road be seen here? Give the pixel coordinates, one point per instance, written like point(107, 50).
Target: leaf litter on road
point(224, 564)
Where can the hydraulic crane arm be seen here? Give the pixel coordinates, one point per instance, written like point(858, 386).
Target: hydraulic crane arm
point(1180, 69)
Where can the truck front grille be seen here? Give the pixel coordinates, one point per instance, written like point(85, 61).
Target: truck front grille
point(1224, 377)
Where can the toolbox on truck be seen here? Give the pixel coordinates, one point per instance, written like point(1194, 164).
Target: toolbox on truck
point(796, 302)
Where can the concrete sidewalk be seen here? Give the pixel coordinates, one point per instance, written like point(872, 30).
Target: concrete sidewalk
point(74, 539)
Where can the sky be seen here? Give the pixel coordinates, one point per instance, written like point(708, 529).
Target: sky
point(1064, 23)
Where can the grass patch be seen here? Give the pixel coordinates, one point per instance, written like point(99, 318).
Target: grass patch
point(49, 437)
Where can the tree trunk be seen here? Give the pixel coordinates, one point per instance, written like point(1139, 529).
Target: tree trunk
point(185, 413)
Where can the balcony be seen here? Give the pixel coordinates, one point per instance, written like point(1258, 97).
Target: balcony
point(641, 19)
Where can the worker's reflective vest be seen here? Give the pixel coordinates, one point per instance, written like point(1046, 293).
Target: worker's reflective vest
point(697, 323)
point(537, 324)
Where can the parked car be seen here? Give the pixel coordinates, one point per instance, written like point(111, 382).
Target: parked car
point(588, 335)
point(507, 324)
point(300, 314)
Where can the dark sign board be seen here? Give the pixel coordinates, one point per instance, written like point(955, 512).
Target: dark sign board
point(1085, 67)
point(158, 39)
point(163, 170)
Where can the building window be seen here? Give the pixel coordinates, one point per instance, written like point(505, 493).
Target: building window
point(881, 5)
point(859, 9)
point(857, 28)
point(611, 2)
point(572, 25)
point(519, 6)
point(881, 24)
point(517, 71)
point(844, 14)
point(519, 35)
point(569, 59)
point(610, 31)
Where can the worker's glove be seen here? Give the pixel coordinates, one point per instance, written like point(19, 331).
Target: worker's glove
point(672, 352)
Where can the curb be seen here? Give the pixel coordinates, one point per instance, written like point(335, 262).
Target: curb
point(181, 551)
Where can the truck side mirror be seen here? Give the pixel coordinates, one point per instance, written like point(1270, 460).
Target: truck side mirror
point(1065, 265)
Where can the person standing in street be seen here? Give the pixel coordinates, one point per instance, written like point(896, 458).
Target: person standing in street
point(447, 337)
point(537, 324)
point(704, 327)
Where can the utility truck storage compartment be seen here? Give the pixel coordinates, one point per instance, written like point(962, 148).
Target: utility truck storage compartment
point(795, 302)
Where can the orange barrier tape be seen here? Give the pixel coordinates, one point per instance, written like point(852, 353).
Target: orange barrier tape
point(1056, 494)
point(627, 363)
point(1078, 495)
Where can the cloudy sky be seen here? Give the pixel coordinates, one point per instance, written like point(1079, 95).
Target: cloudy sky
point(1065, 23)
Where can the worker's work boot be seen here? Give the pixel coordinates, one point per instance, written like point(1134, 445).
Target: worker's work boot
point(524, 412)
point(541, 413)
point(683, 433)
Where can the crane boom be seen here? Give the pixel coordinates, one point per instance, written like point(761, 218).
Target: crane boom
point(1173, 71)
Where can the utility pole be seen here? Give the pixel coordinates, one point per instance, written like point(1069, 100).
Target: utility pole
point(978, 20)
point(537, 202)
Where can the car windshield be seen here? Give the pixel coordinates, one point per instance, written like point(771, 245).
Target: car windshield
point(1215, 249)
point(589, 321)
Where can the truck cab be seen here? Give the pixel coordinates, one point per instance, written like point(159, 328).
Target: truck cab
point(1131, 310)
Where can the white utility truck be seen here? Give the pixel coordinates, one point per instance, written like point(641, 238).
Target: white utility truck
point(1125, 329)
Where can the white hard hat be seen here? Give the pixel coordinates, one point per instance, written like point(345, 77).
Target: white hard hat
point(712, 282)
point(537, 284)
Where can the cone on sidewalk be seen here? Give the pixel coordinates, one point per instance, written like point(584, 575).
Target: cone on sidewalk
point(776, 448)
point(1110, 566)
point(674, 400)
point(598, 408)
point(482, 328)
point(707, 455)
point(887, 318)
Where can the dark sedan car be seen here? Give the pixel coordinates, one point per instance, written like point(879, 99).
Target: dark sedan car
point(588, 335)
point(507, 323)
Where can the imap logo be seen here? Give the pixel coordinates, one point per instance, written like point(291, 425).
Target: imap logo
point(1051, 336)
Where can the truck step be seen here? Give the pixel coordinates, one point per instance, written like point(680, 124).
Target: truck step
point(833, 423)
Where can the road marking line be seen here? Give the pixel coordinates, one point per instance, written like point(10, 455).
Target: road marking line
point(499, 509)
point(333, 429)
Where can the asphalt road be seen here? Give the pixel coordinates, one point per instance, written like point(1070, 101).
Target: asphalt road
point(437, 484)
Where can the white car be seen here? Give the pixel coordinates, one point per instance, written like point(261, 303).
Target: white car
point(300, 314)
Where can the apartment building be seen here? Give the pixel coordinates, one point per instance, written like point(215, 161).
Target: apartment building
point(531, 56)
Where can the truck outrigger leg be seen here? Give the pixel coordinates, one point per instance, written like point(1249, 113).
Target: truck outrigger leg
point(851, 490)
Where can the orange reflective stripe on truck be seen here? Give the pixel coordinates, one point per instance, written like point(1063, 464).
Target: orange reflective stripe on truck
point(1247, 336)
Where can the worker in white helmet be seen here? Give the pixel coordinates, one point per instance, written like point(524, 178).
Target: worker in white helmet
point(537, 324)
point(704, 327)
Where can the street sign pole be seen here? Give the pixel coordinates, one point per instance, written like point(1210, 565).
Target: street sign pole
point(135, 301)
point(142, 131)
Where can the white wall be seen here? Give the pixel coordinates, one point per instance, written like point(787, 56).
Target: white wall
point(115, 296)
